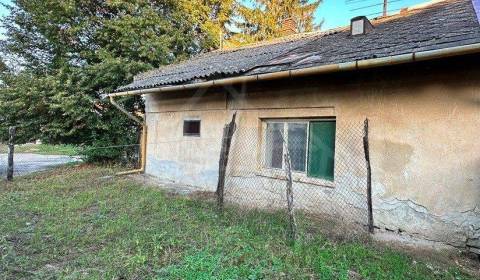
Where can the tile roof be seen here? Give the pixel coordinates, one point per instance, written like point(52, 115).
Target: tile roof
point(441, 24)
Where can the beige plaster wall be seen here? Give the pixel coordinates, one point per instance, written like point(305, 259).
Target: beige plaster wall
point(424, 131)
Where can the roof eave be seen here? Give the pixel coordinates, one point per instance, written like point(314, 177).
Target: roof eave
point(317, 70)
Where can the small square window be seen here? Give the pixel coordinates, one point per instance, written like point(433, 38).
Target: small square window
point(191, 128)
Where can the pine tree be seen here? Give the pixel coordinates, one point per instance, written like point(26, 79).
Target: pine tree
point(263, 19)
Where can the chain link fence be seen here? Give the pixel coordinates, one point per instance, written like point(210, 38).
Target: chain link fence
point(323, 161)
point(17, 160)
point(313, 173)
point(319, 166)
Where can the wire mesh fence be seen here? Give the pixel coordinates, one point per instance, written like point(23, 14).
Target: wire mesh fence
point(311, 167)
point(18, 160)
point(30, 161)
point(127, 156)
point(311, 172)
point(326, 162)
point(319, 165)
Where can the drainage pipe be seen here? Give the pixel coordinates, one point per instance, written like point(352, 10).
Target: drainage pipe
point(331, 68)
point(143, 139)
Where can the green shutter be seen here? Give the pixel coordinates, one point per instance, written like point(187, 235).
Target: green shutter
point(321, 149)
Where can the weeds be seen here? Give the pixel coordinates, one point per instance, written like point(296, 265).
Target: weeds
point(74, 223)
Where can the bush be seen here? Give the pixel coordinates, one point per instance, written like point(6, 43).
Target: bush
point(105, 152)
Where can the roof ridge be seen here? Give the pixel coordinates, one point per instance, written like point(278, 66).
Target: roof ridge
point(412, 9)
point(285, 39)
point(305, 36)
point(296, 37)
point(332, 45)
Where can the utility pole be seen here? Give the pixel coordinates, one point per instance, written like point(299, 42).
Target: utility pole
point(385, 7)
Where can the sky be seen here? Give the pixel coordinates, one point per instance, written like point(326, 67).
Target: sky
point(337, 13)
point(334, 12)
point(3, 12)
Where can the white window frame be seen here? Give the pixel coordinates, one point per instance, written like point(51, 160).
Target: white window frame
point(285, 123)
point(279, 174)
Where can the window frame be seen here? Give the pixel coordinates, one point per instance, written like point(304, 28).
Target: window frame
point(199, 127)
point(265, 151)
point(285, 123)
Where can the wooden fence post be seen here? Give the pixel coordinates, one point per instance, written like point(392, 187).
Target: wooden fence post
point(11, 150)
point(369, 177)
point(228, 131)
point(292, 223)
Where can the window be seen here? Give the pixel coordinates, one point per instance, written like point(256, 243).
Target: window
point(321, 149)
point(275, 145)
point(310, 144)
point(191, 128)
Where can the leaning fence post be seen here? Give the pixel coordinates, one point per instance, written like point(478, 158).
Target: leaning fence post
point(11, 150)
point(369, 177)
point(224, 153)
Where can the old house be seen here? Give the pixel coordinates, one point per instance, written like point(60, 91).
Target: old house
point(415, 75)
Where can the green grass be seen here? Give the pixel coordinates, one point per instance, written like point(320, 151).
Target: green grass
point(72, 223)
point(43, 149)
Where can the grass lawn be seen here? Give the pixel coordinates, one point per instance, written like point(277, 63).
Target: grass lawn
point(43, 149)
point(72, 223)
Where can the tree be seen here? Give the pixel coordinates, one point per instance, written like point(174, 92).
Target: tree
point(214, 17)
point(71, 52)
point(3, 67)
point(263, 19)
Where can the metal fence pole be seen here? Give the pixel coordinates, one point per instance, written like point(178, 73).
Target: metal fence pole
point(11, 150)
point(369, 177)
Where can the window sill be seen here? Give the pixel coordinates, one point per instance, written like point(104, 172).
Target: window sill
point(297, 178)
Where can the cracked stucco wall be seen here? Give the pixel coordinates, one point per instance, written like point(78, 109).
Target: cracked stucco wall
point(425, 126)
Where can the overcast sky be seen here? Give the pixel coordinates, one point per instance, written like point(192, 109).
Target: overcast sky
point(334, 12)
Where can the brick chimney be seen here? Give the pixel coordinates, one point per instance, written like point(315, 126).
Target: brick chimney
point(289, 27)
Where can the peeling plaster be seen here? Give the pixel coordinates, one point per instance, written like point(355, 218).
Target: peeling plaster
point(459, 229)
